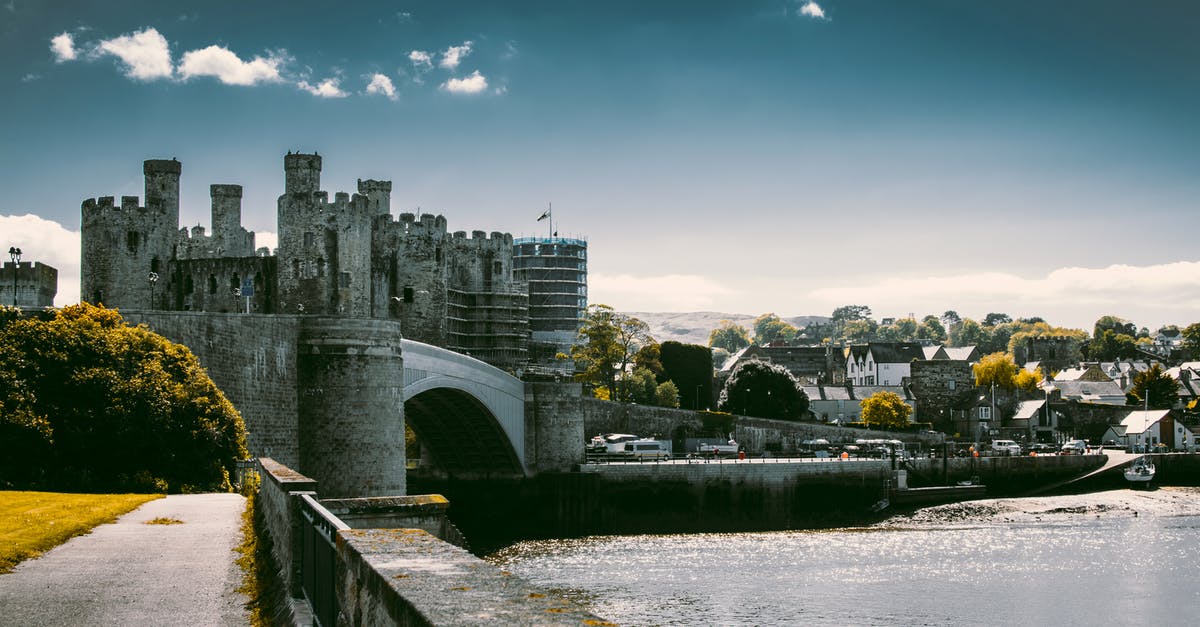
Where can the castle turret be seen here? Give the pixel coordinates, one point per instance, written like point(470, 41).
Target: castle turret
point(162, 187)
point(379, 196)
point(227, 231)
point(302, 173)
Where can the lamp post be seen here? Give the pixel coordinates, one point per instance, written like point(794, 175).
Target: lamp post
point(153, 278)
point(14, 254)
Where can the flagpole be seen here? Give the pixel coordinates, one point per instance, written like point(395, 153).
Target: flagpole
point(550, 212)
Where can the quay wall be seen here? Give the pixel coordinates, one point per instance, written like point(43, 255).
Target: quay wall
point(395, 575)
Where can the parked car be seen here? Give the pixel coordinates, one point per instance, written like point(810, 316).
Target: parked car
point(1074, 447)
point(647, 449)
point(1041, 449)
point(1006, 447)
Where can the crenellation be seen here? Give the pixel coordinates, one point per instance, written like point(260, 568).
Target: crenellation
point(129, 203)
point(347, 258)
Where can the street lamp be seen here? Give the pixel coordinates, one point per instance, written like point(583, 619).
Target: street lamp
point(14, 254)
point(153, 278)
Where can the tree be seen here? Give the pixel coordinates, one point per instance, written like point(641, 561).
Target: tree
point(638, 387)
point(1109, 345)
point(666, 395)
point(846, 313)
point(1114, 324)
point(885, 409)
point(1027, 381)
point(968, 333)
point(859, 331)
point(769, 327)
point(951, 318)
point(1155, 383)
point(729, 336)
point(1191, 339)
point(994, 319)
point(902, 330)
point(649, 356)
point(690, 367)
point(931, 329)
point(757, 388)
point(995, 369)
point(89, 403)
point(606, 344)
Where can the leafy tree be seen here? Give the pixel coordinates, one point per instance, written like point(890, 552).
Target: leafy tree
point(606, 345)
point(638, 387)
point(996, 368)
point(1027, 381)
point(649, 356)
point(690, 367)
point(1116, 325)
point(666, 395)
point(951, 318)
point(729, 336)
point(1191, 339)
point(846, 313)
point(931, 329)
point(994, 319)
point(757, 388)
point(859, 331)
point(1031, 320)
point(1160, 387)
point(886, 409)
point(1109, 345)
point(770, 327)
point(968, 333)
point(902, 330)
point(90, 403)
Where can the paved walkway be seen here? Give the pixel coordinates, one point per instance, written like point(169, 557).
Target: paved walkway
point(130, 573)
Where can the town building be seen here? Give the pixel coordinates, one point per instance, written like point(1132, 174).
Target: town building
point(1147, 431)
point(881, 363)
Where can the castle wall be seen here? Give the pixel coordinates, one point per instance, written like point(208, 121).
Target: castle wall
point(208, 284)
point(36, 284)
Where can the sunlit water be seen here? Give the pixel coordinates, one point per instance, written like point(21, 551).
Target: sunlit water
point(1075, 571)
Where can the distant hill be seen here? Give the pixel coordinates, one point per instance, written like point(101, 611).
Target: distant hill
point(694, 327)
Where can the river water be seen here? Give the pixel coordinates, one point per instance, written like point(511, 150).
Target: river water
point(1117, 557)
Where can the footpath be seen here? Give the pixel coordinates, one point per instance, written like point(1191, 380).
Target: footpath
point(131, 573)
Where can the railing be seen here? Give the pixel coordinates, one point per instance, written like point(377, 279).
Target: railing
point(318, 556)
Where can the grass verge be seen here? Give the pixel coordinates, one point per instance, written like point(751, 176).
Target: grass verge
point(261, 580)
point(34, 522)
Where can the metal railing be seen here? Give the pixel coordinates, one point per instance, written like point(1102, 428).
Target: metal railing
point(318, 557)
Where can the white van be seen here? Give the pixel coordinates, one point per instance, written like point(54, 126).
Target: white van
point(1006, 447)
point(647, 449)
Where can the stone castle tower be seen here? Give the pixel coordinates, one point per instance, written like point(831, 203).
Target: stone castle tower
point(348, 257)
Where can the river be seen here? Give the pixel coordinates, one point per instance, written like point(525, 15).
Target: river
point(1123, 557)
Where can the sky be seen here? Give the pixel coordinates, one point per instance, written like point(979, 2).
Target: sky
point(1026, 157)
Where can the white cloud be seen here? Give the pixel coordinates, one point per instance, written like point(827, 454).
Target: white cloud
point(145, 54)
point(454, 55)
point(812, 9)
point(328, 88)
point(673, 292)
point(382, 85)
point(63, 47)
point(30, 77)
point(270, 239)
point(472, 84)
point(228, 67)
point(50, 243)
point(420, 59)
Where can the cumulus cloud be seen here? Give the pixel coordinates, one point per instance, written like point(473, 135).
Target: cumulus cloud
point(145, 54)
point(63, 47)
point(672, 292)
point(328, 88)
point(227, 67)
point(454, 55)
point(421, 59)
point(812, 9)
point(472, 84)
point(50, 243)
point(382, 85)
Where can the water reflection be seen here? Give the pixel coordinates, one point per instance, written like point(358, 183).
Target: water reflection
point(1073, 572)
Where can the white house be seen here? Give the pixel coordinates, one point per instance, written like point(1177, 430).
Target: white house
point(1140, 431)
point(881, 363)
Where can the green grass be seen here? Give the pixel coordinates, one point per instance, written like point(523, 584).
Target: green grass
point(34, 522)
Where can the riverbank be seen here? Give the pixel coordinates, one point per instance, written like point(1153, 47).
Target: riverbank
point(1127, 503)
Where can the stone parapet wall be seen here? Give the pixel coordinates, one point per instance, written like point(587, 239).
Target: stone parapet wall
point(279, 499)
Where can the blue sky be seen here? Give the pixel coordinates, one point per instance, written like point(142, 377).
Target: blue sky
point(1035, 158)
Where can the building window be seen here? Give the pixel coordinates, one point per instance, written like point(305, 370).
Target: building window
point(497, 267)
point(320, 266)
point(437, 254)
point(950, 385)
point(212, 284)
point(188, 285)
point(154, 264)
point(131, 241)
point(408, 294)
point(985, 413)
point(308, 240)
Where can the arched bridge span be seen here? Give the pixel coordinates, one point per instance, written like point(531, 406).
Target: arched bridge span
point(468, 414)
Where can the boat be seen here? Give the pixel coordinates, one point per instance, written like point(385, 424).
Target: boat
point(1140, 471)
point(610, 443)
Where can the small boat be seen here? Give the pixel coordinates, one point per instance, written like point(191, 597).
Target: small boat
point(1141, 471)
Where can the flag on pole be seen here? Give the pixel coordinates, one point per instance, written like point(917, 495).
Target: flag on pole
point(545, 214)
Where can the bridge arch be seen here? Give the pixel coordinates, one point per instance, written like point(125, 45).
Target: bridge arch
point(470, 415)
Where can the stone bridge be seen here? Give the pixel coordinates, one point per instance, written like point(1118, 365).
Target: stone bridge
point(330, 396)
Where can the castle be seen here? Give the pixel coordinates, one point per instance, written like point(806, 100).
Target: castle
point(349, 257)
